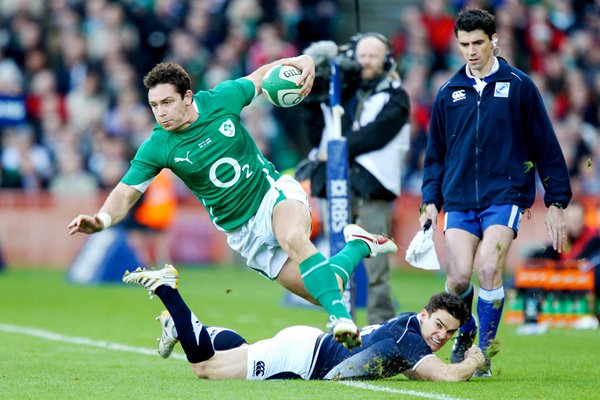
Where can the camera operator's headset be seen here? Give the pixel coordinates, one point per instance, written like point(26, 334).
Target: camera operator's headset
point(389, 63)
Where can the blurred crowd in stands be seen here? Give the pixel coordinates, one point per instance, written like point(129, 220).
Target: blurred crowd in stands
point(557, 42)
point(71, 75)
point(73, 110)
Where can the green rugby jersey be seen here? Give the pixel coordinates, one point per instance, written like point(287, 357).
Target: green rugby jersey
point(215, 157)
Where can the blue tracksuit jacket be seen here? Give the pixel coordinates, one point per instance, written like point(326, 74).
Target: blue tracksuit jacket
point(479, 147)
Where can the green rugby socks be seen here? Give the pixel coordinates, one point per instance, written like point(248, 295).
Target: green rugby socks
point(344, 262)
point(320, 281)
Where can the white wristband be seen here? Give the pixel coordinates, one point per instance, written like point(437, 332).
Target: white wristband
point(105, 218)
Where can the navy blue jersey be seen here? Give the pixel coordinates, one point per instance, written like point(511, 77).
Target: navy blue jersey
point(387, 350)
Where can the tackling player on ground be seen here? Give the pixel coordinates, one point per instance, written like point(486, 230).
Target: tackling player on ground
point(402, 345)
point(265, 215)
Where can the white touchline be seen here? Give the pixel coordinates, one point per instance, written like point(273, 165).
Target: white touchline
point(59, 337)
point(377, 388)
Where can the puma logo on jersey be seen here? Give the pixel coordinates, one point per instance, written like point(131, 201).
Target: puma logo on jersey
point(227, 128)
point(186, 159)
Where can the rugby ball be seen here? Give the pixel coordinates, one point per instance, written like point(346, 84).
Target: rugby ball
point(279, 86)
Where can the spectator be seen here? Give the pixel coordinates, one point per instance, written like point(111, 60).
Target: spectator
point(25, 164)
point(187, 51)
point(268, 47)
point(90, 96)
point(439, 25)
point(72, 180)
point(44, 100)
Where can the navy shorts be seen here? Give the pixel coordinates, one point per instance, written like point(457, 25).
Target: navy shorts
point(477, 221)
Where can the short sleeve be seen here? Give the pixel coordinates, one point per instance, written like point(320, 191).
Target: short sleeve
point(232, 95)
point(144, 166)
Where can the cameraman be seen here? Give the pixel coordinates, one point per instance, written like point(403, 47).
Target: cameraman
point(376, 125)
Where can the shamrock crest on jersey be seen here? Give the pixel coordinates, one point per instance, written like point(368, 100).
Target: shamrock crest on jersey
point(227, 128)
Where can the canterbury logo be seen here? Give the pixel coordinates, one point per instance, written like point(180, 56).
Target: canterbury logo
point(458, 95)
point(259, 368)
point(186, 159)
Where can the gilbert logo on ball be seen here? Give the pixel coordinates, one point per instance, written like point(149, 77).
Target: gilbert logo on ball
point(279, 85)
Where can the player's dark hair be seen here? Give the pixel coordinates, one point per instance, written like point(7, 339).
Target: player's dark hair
point(448, 302)
point(169, 73)
point(472, 19)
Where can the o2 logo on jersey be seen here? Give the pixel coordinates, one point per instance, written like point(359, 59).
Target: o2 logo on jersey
point(237, 172)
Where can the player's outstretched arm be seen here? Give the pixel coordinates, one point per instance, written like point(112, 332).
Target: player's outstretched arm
point(434, 369)
point(303, 62)
point(115, 208)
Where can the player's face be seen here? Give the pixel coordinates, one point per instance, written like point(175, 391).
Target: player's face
point(437, 328)
point(477, 49)
point(370, 54)
point(171, 111)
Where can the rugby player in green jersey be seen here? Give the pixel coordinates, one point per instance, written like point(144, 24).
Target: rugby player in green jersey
point(265, 215)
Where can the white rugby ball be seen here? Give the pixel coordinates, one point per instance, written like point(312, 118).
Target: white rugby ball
point(279, 86)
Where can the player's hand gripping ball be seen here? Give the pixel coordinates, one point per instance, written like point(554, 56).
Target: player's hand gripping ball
point(279, 86)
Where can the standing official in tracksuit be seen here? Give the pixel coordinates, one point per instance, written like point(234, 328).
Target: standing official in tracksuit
point(376, 125)
point(489, 133)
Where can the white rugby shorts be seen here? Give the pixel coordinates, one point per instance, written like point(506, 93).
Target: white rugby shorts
point(290, 351)
point(255, 240)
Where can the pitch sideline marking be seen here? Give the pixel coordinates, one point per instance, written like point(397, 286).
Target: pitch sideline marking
point(377, 388)
point(103, 344)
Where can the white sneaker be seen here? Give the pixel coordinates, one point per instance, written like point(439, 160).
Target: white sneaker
point(151, 279)
point(378, 244)
point(345, 331)
point(168, 337)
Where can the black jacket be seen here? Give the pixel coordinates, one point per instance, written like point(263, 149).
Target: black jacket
point(375, 135)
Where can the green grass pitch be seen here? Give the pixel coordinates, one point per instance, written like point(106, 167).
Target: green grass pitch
point(44, 365)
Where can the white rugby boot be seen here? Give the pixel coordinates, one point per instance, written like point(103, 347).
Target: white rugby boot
point(378, 244)
point(168, 337)
point(151, 279)
point(345, 331)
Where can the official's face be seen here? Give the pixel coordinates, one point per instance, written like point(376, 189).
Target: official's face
point(477, 50)
point(171, 111)
point(437, 328)
point(370, 54)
